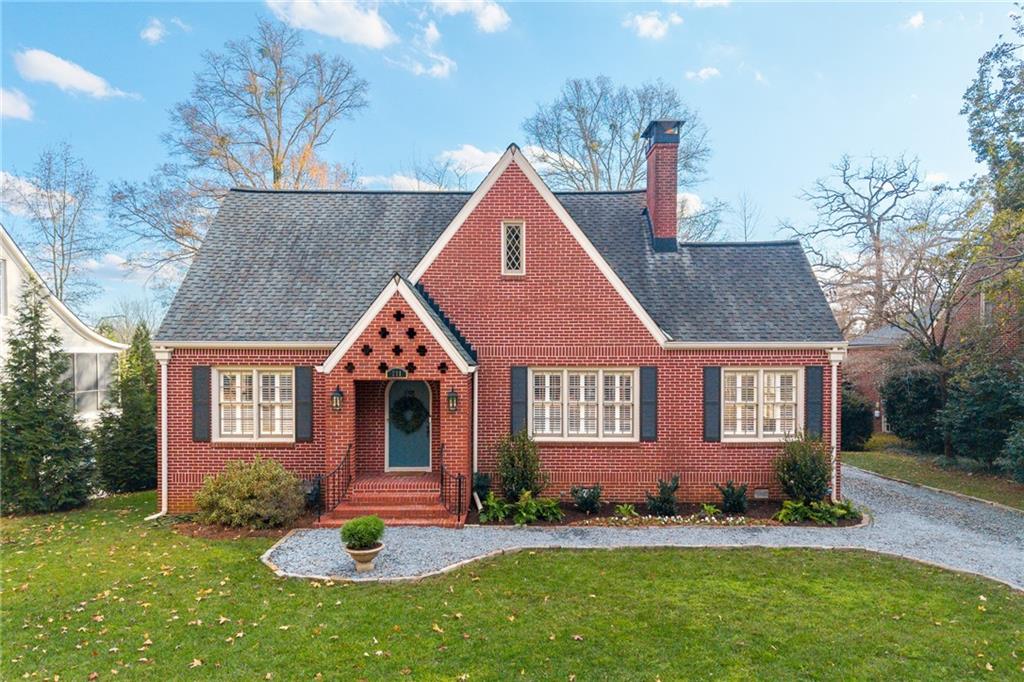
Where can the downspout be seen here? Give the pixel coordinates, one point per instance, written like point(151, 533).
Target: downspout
point(476, 416)
point(835, 356)
point(163, 356)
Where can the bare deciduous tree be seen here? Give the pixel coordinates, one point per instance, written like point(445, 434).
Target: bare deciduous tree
point(440, 173)
point(58, 199)
point(126, 315)
point(859, 208)
point(748, 216)
point(259, 113)
point(588, 138)
point(701, 223)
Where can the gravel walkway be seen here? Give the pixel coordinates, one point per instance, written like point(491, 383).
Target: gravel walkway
point(920, 524)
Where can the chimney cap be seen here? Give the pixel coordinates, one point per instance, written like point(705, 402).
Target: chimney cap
point(664, 130)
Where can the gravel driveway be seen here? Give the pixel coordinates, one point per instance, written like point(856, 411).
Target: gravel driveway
point(908, 521)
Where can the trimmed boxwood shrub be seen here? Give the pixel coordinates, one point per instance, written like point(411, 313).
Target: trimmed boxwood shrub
point(804, 469)
point(858, 419)
point(363, 532)
point(587, 498)
point(734, 498)
point(663, 502)
point(252, 494)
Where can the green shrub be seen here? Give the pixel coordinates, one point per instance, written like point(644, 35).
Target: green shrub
point(255, 494)
point(858, 419)
point(881, 442)
point(519, 467)
point(821, 512)
point(981, 407)
point(482, 484)
point(587, 498)
point(709, 511)
point(363, 532)
point(1011, 459)
point(494, 509)
point(804, 469)
point(734, 500)
point(625, 511)
point(663, 503)
point(912, 401)
point(549, 510)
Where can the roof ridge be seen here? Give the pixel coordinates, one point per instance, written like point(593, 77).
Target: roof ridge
point(262, 190)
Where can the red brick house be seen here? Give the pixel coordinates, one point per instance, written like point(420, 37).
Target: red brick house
point(386, 340)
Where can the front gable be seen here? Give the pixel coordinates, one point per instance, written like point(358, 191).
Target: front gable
point(568, 291)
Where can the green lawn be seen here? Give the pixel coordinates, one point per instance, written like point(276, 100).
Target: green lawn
point(922, 470)
point(101, 590)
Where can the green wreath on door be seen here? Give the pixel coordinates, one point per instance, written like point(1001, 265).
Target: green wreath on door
point(408, 413)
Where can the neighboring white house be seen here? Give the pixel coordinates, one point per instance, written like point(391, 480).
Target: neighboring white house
point(93, 356)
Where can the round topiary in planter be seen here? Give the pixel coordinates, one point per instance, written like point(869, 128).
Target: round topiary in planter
point(362, 540)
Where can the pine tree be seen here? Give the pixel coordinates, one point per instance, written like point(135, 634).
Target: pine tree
point(126, 435)
point(45, 462)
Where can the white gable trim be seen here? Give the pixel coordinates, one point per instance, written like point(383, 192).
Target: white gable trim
point(513, 154)
point(397, 284)
point(56, 305)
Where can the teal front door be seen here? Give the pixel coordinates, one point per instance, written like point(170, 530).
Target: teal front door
point(408, 426)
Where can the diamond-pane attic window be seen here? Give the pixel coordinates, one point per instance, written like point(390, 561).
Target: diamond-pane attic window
point(513, 260)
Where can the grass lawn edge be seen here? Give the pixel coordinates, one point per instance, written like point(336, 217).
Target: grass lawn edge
point(954, 493)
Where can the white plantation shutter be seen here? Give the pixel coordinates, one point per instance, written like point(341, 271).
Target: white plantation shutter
point(779, 411)
point(254, 403)
point(618, 403)
point(582, 404)
point(236, 404)
point(277, 415)
point(547, 403)
point(740, 403)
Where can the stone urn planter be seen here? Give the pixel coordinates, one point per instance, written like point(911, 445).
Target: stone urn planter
point(362, 540)
point(364, 557)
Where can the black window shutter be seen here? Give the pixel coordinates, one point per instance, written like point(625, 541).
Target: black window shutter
point(813, 390)
point(648, 404)
point(712, 404)
point(304, 404)
point(201, 409)
point(518, 399)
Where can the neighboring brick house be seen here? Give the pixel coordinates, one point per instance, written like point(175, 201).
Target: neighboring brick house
point(865, 366)
point(387, 340)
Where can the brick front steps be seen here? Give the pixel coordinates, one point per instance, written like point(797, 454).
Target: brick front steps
point(398, 499)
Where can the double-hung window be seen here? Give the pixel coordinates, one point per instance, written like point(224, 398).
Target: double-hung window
point(255, 404)
point(760, 403)
point(583, 404)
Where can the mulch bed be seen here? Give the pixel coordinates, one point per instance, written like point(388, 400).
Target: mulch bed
point(759, 513)
point(214, 532)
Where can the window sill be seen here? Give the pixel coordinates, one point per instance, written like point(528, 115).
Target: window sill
point(252, 443)
point(624, 440)
point(765, 440)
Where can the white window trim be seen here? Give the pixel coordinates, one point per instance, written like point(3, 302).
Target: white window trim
point(601, 437)
point(759, 392)
point(215, 435)
point(522, 248)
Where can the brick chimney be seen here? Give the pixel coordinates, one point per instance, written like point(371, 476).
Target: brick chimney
point(662, 176)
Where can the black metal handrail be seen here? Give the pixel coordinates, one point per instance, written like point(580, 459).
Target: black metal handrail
point(453, 487)
point(329, 489)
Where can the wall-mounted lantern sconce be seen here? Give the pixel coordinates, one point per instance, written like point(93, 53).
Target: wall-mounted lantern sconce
point(337, 399)
point(453, 401)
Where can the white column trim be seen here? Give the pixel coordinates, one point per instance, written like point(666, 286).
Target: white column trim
point(835, 356)
point(163, 356)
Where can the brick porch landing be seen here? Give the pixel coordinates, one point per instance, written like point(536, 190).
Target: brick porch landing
point(400, 499)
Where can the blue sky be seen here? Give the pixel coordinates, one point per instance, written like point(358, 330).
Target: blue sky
point(784, 89)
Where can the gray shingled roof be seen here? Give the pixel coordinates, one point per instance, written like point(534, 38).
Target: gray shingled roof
point(888, 335)
point(334, 251)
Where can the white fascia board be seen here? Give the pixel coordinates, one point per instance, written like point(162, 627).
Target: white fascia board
point(555, 205)
point(56, 305)
point(246, 345)
point(395, 285)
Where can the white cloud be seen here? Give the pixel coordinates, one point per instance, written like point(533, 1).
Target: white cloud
point(154, 32)
point(12, 188)
point(187, 28)
point(427, 59)
point(396, 181)
point(14, 104)
point(490, 17)
point(915, 22)
point(759, 77)
point(354, 23)
point(935, 178)
point(44, 67)
point(689, 204)
point(651, 24)
point(703, 74)
point(470, 159)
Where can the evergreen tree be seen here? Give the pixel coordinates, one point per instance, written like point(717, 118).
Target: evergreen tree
point(126, 435)
point(45, 463)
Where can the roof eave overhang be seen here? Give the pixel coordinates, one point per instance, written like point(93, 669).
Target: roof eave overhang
point(273, 345)
point(754, 345)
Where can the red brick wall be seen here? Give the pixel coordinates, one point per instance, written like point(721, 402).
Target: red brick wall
point(662, 188)
point(865, 369)
point(563, 312)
